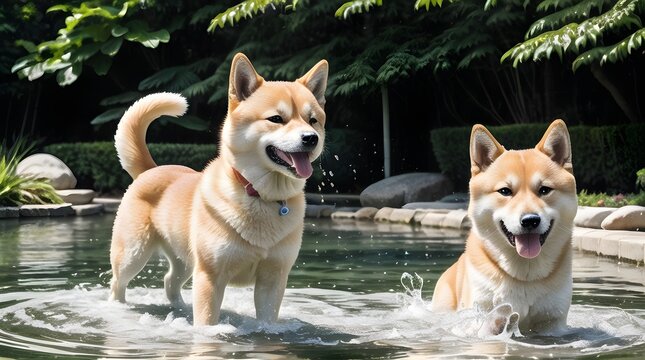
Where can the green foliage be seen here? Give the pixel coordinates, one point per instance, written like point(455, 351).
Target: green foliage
point(356, 7)
point(184, 79)
point(93, 34)
point(16, 190)
point(603, 199)
point(605, 158)
point(640, 179)
point(96, 165)
point(247, 9)
point(584, 39)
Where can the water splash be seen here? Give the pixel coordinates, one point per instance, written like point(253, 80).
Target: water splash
point(81, 321)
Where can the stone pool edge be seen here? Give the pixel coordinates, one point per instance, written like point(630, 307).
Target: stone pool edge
point(617, 244)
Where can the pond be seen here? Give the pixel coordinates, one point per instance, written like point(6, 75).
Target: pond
point(345, 299)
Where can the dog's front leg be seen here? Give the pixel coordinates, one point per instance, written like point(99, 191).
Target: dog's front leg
point(270, 283)
point(208, 292)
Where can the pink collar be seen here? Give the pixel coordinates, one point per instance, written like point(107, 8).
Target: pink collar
point(250, 191)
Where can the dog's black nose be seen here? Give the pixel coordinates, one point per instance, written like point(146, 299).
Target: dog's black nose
point(309, 139)
point(530, 221)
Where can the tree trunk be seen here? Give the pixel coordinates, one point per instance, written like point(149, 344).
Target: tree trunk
point(614, 91)
point(385, 100)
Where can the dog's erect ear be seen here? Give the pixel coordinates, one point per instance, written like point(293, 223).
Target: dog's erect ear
point(316, 80)
point(484, 149)
point(244, 80)
point(556, 144)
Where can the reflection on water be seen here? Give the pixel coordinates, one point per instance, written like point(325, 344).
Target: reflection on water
point(345, 298)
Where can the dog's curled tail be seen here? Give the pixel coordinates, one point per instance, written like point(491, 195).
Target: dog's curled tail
point(130, 137)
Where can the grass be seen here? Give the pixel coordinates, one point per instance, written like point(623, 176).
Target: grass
point(16, 190)
point(602, 199)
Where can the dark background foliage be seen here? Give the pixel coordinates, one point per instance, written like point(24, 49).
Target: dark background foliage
point(441, 68)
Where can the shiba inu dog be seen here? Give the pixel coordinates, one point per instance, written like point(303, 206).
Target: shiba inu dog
point(522, 205)
point(240, 220)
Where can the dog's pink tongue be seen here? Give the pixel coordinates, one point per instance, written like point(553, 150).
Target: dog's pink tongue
point(302, 164)
point(528, 245)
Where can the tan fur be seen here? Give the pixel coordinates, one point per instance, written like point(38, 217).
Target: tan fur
point(205, 222)
point(491, 272)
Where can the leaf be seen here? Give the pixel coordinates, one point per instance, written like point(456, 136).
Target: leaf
point(84, 52)
point(148, 39)
point(24, 62)
point(109, 115)
point(112, 46)
point(205, 13)
point(245, 9)
point(189, 122)
point(356, 7)
point(173, 79)
point(101, 64)
point(573, 37)
point(69, 75)
point(27, 45)
point(124, 98)
point(119, 30)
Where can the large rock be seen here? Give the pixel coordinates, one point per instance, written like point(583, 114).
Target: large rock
point(49, 167)
point(399, 190)
point(76, 196)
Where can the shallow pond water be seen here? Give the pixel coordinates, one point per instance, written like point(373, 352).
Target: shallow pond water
point(345, 299)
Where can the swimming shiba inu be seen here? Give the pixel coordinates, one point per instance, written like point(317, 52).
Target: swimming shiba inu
point(240, 220)
point(522, 205)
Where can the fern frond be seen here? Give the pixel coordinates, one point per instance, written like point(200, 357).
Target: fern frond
point(575, 13)
point(202, 66)
point(426, 4)
point(173, 79)
point(356, 7)
point(357, 75)
point(204, 86)
point(545, 5)
point(247, 9)
point(612, 53)
point(397, 65)
point(574, 37)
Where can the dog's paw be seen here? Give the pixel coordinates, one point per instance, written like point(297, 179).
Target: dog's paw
point(501, 320)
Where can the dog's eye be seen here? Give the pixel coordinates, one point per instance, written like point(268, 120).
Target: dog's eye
point(312, 121)
point(275, 119)
point(544, 190)
point(505, 191)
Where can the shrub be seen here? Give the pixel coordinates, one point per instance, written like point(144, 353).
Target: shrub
point(602, 199)
point(605, 158)
point(16, 189)
point(96, 164)
point(640, 179)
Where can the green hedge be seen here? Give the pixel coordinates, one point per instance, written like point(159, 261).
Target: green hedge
point(605, 158)
point(96, 165)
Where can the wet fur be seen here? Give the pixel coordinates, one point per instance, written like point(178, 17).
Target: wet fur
point(490, 272)
point(204, 222)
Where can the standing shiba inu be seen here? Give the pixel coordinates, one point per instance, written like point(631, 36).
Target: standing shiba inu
point(240, 220)
point(522, 205)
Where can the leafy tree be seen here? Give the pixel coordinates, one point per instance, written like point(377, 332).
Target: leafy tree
point(596, 32)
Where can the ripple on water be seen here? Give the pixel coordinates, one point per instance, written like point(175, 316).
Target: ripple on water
point(81, 321)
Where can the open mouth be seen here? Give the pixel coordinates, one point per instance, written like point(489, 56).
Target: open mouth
point(297, 162)
point(527, 245)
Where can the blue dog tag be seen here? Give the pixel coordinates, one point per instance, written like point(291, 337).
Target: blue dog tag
point(284, 210)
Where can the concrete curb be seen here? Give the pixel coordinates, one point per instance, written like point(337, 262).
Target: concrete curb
point(99, 205)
